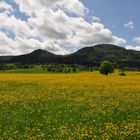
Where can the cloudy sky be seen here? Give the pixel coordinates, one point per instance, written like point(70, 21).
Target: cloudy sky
point(64, 26)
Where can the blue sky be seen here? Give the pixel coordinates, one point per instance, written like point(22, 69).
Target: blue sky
point(63, 26)
point(117, 13)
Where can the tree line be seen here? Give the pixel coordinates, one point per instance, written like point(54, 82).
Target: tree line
point(105, 67)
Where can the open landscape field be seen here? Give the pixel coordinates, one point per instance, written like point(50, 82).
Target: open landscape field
point(70, 106)
point(69, 70)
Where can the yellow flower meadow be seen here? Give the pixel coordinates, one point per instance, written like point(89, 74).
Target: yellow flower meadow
point(83, 106)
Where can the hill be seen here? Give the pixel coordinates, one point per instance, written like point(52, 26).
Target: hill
point(94, 55)
point(91, 56)
point(35, 57)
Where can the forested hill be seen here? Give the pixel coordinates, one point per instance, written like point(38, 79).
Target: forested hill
point(92, 56)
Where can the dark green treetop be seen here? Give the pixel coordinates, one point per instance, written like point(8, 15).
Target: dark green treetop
point(106, 67)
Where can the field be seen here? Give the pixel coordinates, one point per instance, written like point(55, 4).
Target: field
point(83, 106)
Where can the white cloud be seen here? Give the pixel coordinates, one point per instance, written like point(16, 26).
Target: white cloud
point(137, 48)
point(73, 6)
point(32, 7)
point(72, 31)
point(5, 6)
point(17, 26)
point(96, 19)
point(57, 26)
point(130, 25)
point(22, 46)
point(54, 48)
point(28, 45)
point(136, 39)
point(7, 45)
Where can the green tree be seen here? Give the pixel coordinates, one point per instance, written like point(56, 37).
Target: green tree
point(106, 67)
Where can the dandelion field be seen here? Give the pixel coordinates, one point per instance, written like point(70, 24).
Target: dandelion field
point(83, 106)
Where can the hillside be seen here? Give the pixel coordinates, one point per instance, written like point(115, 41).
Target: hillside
point(37, 56)
point(93, 56)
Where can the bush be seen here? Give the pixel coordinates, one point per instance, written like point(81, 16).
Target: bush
point(106, 67)
point(8, 66)
point(122, 74)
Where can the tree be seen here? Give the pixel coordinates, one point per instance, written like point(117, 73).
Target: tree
point(106, 67)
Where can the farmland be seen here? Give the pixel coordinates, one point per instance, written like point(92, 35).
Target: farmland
point(70, 106)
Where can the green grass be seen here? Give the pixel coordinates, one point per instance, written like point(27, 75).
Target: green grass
point(26, 71)
point(31, 71)
point(70, 106)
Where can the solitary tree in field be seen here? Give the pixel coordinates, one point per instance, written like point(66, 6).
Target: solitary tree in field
point(106, 67)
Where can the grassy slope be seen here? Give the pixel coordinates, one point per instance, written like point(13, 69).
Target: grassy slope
point(71, 106)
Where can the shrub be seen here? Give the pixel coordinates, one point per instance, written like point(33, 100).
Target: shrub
point(122, 74)
point(106, 67)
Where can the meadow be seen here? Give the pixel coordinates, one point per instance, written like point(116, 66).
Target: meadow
point(82, 106)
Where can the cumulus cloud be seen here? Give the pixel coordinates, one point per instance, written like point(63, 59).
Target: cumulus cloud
point(54, 48)
point(58, 26)
point(32, 7)
point(136, 39)
point(21, 46)
point(17, 26)
point(7, 45)
point(137, 48)
point(6, 6)
point(130, 25)
point(96, 19)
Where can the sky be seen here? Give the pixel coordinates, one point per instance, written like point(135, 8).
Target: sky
point(64, 26)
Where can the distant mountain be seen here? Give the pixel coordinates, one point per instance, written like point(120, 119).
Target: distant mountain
point(119, 56)
point(5, 58)
point(37, 56)
point(92, 56)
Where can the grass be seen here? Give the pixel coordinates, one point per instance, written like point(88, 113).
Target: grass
point(70, 106)
point(26, 71)
point(31, 71)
